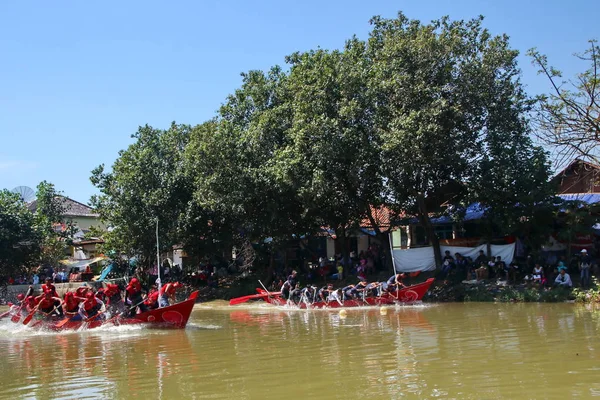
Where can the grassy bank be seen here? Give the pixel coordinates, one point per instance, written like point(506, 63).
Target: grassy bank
point(499, 292)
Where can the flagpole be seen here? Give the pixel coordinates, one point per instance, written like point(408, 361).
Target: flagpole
point(392, 251)
point(158, 258)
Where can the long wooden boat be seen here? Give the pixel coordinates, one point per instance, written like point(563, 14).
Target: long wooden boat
point(408, 294)
point(174, 316)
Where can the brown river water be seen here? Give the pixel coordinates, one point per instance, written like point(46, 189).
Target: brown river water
point(447, 351)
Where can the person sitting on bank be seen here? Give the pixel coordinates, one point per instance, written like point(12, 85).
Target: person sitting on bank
point(538, 274)
point(563, 279)
point(482, 272)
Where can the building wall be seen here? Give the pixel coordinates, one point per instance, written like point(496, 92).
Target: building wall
point(85, 223)
point(580, 179)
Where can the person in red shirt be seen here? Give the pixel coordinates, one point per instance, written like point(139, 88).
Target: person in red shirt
point(71, 304)
point(49, 287)
point(31, 303)
point(82, 291)
point(133, 293)
point(168, 292)
point(48, 304)
point(114, 301)
point(152, 300)
point(91, 306)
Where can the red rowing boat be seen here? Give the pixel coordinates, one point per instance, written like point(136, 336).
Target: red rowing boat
point(408, 294)
point(175, 316)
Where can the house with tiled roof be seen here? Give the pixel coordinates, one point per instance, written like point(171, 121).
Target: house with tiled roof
point(84, 218)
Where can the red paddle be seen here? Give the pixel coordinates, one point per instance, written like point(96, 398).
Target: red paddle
point(30, 316)
point(239, 300)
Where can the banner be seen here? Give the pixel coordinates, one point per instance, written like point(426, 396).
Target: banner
point(422, 259)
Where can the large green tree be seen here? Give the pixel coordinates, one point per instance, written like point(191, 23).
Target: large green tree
point(20, 241)
point(449, 105)
point(333, 153)
point(147, 183)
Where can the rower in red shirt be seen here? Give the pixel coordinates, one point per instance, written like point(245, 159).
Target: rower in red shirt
point(49, 287)
point(91, 306)
point(152, 300)
point(133, 293)
point(114, 301)
point(31, 303)
point(71, 304)
point(48, 303)
point(168, 292)
point(81, 291)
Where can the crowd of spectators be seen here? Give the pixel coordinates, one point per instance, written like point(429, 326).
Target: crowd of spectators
point(528, 271)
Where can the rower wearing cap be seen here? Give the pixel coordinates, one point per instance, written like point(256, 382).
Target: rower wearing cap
point(133, 292)
point(91, 306)
point(151, 300)
point(82, 290)
point(49, 304)
point(49, 287)
point(114, 301)
point(168, 292)
point(71, 304)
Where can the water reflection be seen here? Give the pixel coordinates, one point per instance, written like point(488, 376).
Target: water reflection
point(449, 351)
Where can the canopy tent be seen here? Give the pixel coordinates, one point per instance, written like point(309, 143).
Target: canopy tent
point(422, 259)
point(81, 264)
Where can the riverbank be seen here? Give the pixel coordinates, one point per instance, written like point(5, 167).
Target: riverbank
point(500, 291)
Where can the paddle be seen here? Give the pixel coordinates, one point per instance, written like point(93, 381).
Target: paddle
point(30, 316)
point(63, 322)
point(17, 317)
point(239, 300)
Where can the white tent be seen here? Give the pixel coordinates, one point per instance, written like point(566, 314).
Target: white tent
point(422, 259)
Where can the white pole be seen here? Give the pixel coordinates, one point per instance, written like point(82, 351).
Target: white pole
point(158, 257)
point(392, 251)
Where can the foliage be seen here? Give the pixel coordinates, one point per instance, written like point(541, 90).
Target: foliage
point(568, 118)
point(20, 241)
point(147, 183)
point(591, 295)
point(56, 230)
point(414, 110)
point(441, 130)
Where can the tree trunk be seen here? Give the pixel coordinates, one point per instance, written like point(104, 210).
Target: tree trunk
point(344, 244)
point(384, 239)
point(429, 230)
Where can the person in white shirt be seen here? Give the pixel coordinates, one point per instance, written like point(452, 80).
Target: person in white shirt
point(563, 279)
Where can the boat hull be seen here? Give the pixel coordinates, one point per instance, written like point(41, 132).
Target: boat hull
point(409, 294)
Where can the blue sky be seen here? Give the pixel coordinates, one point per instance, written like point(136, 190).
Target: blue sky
point(77, 77)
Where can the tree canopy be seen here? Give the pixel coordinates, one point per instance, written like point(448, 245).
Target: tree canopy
point(394, 121)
